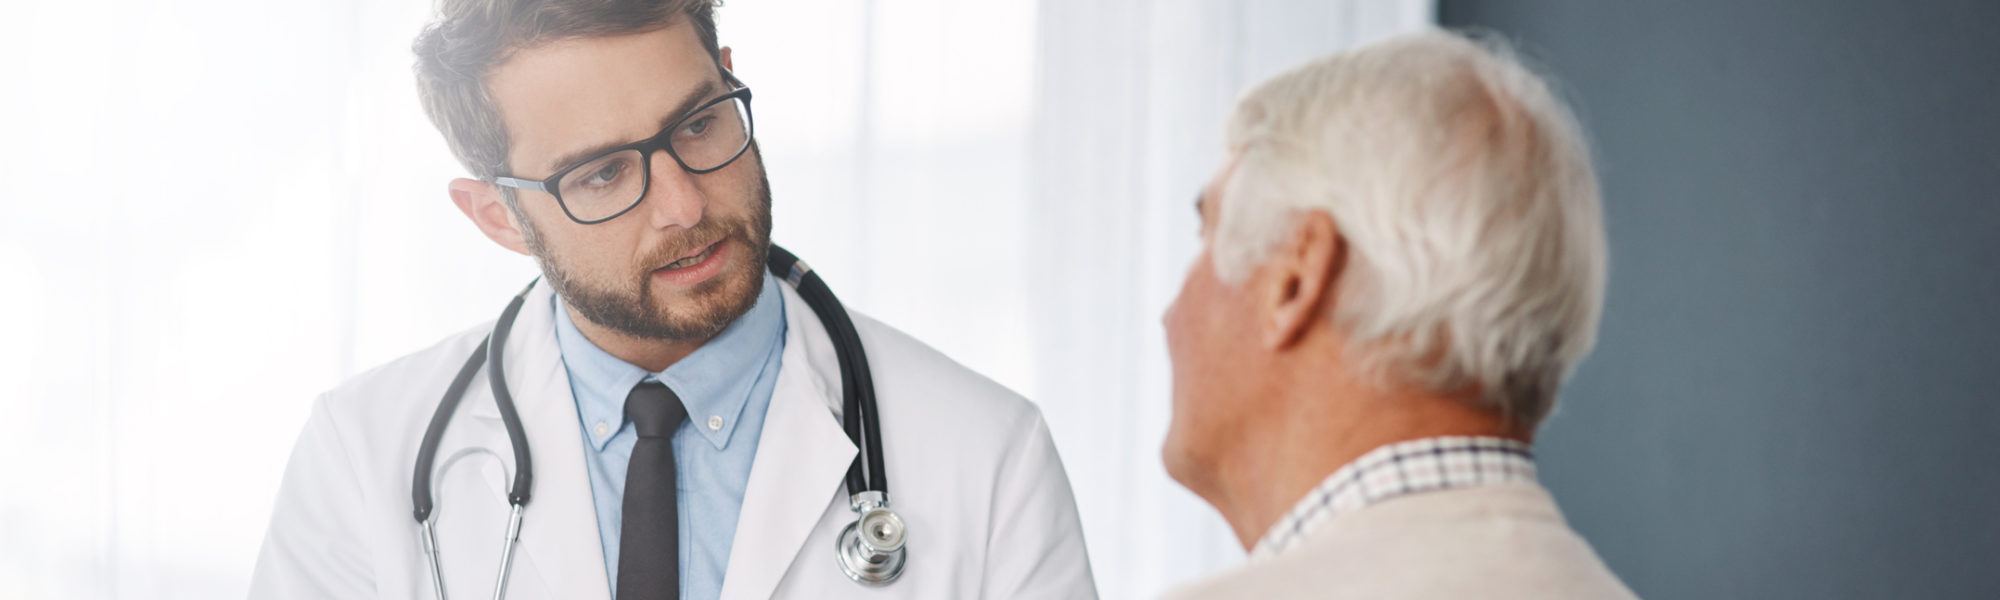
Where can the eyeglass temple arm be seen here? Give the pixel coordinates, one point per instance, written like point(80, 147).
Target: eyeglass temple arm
point(521, 184)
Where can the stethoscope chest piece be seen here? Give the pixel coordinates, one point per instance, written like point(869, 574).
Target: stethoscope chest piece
point(871, 549)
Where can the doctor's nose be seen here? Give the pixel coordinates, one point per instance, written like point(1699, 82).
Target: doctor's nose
point(675, 198)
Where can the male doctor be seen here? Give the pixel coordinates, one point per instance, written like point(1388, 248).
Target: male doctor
point(682, 407)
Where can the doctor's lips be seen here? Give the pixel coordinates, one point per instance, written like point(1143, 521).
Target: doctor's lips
point(696, 266)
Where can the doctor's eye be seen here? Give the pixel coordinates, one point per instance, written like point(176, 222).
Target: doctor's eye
point(698, 126)
point(606, 172)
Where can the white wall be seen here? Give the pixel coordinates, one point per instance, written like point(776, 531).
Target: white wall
point(214, 212)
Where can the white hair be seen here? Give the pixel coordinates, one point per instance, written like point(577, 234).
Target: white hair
point(1465, 194)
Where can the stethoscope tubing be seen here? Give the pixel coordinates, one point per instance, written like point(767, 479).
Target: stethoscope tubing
point(858, 417)
point(524, 477)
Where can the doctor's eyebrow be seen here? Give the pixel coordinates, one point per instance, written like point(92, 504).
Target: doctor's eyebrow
point(687, 104)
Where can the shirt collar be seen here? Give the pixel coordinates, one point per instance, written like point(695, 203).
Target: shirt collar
point(1399, 469)
point(713, 383)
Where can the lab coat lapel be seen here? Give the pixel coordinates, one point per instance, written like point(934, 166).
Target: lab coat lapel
point(801, 457)
point(559, 528)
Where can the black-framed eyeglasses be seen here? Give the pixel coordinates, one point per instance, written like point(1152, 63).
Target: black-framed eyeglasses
point(602, 187)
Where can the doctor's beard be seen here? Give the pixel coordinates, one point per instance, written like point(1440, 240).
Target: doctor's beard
point(634, 310)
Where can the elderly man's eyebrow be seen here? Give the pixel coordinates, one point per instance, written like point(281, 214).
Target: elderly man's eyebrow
point(687, 104)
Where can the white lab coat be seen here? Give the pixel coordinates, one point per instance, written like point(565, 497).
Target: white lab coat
point(971, 466)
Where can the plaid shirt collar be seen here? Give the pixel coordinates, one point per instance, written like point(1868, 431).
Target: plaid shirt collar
point(1421, 465)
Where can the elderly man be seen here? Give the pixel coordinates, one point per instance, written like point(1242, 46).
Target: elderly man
point(1403, 259)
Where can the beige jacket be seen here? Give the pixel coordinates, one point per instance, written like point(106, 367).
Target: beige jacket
point(1492, 541)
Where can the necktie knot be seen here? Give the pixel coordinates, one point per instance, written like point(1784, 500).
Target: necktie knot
point(654, 410)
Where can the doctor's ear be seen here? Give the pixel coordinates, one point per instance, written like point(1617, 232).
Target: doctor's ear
point(481, 202)
point(1304, 270)
point(726, 62)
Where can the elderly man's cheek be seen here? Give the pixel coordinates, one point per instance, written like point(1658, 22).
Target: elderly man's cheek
point(1176, 319)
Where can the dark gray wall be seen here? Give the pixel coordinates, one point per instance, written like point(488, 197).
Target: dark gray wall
point(1794, 393)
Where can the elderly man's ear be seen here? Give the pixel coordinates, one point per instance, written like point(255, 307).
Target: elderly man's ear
point(1301, 274)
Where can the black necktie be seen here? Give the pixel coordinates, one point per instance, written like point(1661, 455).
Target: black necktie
point(649, 562)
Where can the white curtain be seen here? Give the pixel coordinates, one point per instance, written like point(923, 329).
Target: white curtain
point(215, 211)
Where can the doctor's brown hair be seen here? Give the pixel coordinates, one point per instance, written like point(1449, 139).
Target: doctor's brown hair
point(470, 37)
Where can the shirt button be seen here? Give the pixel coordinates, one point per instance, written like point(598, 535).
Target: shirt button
point(714, 423)
point(601, 429)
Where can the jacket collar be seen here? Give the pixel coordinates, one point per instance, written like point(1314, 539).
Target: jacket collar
point(798, 471)
point(559, 526)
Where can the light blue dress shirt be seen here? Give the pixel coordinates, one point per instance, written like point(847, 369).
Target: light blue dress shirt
point(726, 386)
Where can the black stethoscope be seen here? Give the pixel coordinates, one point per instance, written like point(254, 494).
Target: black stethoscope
point(870, 551)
